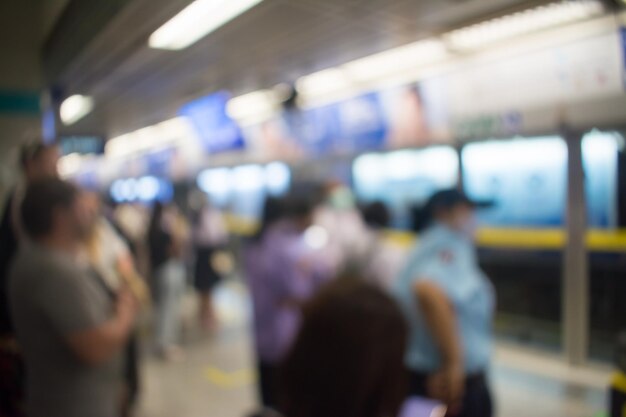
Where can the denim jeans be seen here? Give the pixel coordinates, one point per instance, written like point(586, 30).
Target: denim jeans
point(171, 282)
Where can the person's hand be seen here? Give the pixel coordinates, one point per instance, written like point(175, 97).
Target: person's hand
point(127, 304)
point(448, 386)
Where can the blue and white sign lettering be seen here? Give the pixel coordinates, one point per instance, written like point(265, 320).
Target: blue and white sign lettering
point(361, 123)
point(217, 131)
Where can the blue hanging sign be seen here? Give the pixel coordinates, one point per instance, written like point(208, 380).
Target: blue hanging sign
point(217, 131)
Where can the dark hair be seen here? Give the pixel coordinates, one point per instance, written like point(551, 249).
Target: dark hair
point(273, 211)
point(155, 218)
point(32, 150)
point(376, 215)
point(347, 360)
point(42, 199)
point(298, 204)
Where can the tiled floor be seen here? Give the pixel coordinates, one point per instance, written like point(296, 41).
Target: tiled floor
point(217, 378)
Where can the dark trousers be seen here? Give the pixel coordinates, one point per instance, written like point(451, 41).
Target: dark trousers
point(12, 381)
point(268, 376)
point(476, 401)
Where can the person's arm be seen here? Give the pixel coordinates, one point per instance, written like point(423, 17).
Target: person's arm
point(446, 385)
point(136, 283)
point(98, 344)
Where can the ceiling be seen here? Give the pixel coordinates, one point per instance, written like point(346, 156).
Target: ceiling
point(277, 41)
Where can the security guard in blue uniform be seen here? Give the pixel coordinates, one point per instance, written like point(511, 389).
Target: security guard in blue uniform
point(449, 304)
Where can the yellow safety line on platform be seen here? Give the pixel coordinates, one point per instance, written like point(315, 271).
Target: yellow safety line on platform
point(618, 382)
point(537, 239)
point(492, 237)
point(229, 380)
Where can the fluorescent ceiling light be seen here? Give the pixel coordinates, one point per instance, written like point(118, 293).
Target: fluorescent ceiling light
point(196, 21)
point(323, 82)
point(372, 68)
point(148, 138)
point(251, 107)
point(396, 60)
point(75, 108)
point(523, 22)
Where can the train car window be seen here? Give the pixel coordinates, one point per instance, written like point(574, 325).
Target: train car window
point(277, 178)
point(404, 179)
point(525, 178)
point(249, 191)
point(145, 189)
point(600, 161)
point(218, 185)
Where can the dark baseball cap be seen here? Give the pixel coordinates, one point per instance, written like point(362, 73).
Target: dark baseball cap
point(443, 200)
point(447, 199)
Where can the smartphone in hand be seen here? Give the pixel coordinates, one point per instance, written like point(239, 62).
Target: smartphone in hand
point(422, 407)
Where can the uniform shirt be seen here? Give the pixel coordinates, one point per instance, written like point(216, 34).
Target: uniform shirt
point(280, 274)
point(448, 259)
point(51, 297)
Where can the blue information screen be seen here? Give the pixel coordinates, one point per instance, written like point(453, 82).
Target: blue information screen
point(216, 129)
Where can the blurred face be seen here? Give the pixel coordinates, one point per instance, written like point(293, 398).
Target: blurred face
point(44, 166)
point(73, 222)
point(89, 209)
point(460, 218)
point(82, 216)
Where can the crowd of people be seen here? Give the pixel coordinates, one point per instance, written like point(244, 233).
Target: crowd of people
point(345, 323)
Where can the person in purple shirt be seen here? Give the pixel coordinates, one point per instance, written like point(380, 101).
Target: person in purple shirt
point(282, 274)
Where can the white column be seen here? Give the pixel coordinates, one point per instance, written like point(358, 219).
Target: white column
point(575, 280)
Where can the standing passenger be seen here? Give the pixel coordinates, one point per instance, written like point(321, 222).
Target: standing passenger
point(281, 276)
point(37, 161)
point(383, 259)
point(169, 279)
point(449, 304)
point(113, 265)
point(210, 238)
point(71, 332)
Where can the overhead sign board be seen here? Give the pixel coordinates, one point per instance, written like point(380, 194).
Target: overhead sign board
point(216, 130)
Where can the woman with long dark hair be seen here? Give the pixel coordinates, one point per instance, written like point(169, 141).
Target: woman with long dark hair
point(347, 360)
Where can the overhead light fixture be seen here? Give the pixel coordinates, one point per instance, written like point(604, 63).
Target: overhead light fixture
point(253, 107)
point(75, 108)
point(148, 138)
point(372, 68)
point(396, 60)
point(323, 82)
point(196, 21)
point(523, 22)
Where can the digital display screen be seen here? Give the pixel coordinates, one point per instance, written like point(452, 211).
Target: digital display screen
point(82, 144)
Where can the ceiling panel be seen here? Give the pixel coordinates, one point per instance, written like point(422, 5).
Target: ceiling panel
point(277, 41)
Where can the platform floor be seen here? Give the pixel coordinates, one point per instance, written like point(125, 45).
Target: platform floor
point(216, 379)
